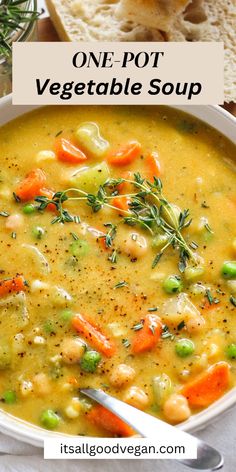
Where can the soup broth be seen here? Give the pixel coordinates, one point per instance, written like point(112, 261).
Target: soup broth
point(115, 286)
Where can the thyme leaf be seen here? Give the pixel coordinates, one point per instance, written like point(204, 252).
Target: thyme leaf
point(121, 284)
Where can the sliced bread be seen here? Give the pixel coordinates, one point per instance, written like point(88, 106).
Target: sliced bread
point(210, 20)
point(95, 20)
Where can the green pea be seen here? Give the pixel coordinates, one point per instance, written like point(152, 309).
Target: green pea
point(28, 209)
point(90, 361)
point(228, 269)
point(9, 397)
point(66, 315)
point(79, 248)
point(173, 284)
point(231, 351)
point(38, 232)
point(49, 419)
point(184, 347)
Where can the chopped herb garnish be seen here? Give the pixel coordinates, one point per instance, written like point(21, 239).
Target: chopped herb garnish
point(13, 235)
point(58, 134)
point(111, 234)
point(77, 220)
point(137, 326)
point(193, 245)
point(121, 284)
point(126, 343)
point(74, 236)
point(16, 198)
point(156, 260)
point(210, 298)
point(232, 300)
point(154, 308)
point(113, 257)
point(181, 325)
point(4, 213)
point(166, 333)
point(208, 228)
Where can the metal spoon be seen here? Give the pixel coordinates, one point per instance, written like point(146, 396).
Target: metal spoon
point(208, 458)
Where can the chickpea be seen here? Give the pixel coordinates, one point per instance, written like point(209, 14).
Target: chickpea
point(73, 410)
point(136, 397)
point(42, 384)
point(195, 324)
point(122, 375)
point(72, 349)
point(135, 245)
point(176, 408)
point(14, 221)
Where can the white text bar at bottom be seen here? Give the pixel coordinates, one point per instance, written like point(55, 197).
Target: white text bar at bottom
point(124, 448)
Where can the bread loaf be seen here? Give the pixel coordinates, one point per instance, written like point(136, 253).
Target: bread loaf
point(95, 20)
point(210, 20)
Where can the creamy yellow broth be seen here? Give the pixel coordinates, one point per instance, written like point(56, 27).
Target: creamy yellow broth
point(198, 173)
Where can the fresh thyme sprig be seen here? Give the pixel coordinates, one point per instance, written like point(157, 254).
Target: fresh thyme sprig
point(148, 208)
point(13, 14)
point(110, 235)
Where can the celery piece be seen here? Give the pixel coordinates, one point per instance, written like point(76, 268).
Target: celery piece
point(162, 388)
point(90, 179)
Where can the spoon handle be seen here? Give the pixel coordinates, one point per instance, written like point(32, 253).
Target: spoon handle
point(148, 426)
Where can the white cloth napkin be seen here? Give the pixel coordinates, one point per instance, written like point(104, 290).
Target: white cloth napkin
point(16, 456)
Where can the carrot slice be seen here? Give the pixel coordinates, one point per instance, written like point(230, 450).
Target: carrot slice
point(154, 166)
point(105, 419)
point(121, 203)
point(125, 154)
point(207, 387)
point(16, 284)
point(102, 242)
point(67, 152)
point(48, 192)
point(123, 186)
point(147, 337)
point(92, 333)
point(31, 185)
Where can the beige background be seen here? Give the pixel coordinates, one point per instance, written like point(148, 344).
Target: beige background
point(183, 62)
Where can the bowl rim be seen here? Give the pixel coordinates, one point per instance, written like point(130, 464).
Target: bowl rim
point(216, 117)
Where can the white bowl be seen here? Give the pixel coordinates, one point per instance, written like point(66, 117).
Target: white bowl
point(19, 429)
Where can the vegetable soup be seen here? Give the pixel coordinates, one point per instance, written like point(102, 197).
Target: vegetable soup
point(118, 265)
